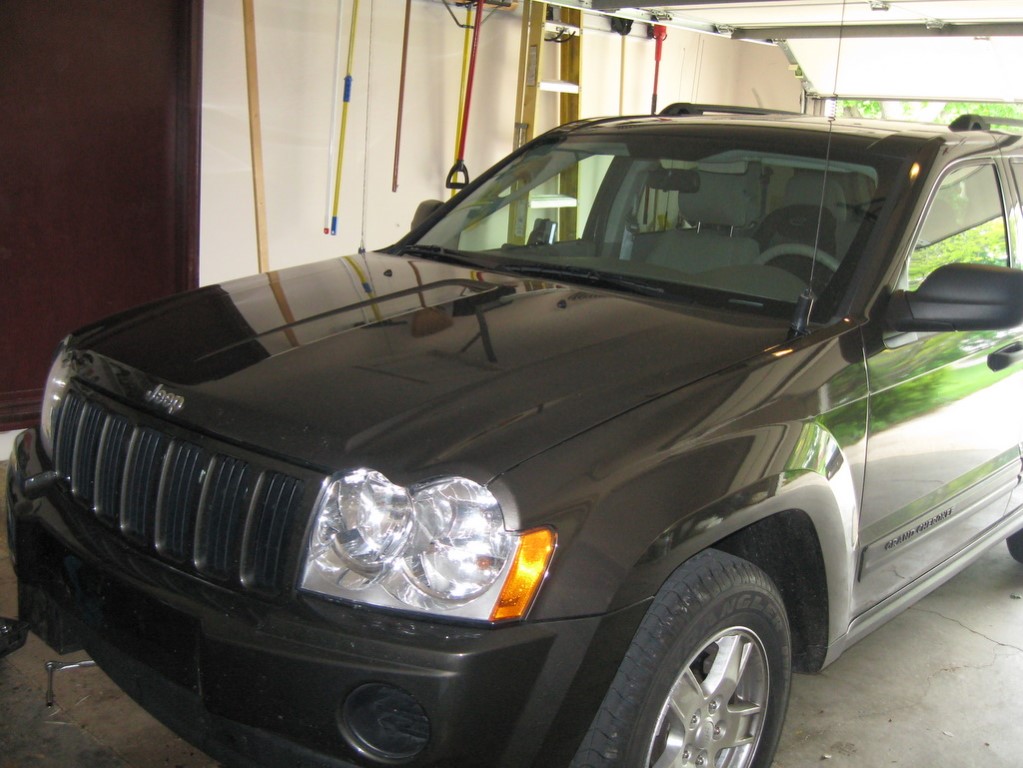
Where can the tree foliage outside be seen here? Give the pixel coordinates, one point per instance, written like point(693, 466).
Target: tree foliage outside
point(984, 244)
point(943, 112)
point(966, 224)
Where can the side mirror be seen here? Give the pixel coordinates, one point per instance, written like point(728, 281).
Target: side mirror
point(425, 210)
point(960, 297)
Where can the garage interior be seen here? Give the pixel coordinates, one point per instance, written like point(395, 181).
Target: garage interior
point(256, 178)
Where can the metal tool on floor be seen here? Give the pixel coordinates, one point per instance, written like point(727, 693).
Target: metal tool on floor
point(59, 666)
point(12, 635)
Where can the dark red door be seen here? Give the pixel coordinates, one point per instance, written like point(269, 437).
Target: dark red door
point(99, 137)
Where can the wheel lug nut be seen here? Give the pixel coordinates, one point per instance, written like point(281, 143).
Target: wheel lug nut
point(713, 706)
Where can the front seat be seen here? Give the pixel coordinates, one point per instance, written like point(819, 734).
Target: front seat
point(719, 213)
point(812, 207)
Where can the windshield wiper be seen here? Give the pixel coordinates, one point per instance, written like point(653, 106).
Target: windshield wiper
point(439, 251)
point(544, 271)
point(584, 274)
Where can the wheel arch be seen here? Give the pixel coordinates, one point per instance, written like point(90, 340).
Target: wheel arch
point(786, 547)
point(795, 519)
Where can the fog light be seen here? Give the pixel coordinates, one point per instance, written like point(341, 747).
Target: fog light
point(384, 722)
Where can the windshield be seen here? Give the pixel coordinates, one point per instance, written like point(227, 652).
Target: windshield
point(701, 219)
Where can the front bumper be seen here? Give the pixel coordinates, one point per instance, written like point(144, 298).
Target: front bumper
point(296, 680)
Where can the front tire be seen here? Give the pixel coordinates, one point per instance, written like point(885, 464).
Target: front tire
point(1015, 544)
point(705, 682)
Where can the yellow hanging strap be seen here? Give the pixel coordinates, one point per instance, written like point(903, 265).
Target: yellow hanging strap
point(344, 118)
point(465, 75)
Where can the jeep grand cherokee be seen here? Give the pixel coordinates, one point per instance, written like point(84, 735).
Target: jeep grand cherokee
point(653, 413)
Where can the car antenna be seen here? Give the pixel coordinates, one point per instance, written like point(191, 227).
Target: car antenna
point(801, 316)
point(805, 302)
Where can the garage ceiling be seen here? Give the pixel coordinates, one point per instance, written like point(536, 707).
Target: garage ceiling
point(961, 50)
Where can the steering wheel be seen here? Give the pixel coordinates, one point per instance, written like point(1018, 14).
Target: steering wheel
point(799, 249)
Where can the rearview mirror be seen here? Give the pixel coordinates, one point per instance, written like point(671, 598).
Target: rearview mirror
point(960, 297)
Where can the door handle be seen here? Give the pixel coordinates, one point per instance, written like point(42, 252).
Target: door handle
point(1006, 356)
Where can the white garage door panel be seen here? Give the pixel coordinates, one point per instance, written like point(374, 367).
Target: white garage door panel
point(950, 68)
point(771, 13)
point(957, 50)
point(815, 12)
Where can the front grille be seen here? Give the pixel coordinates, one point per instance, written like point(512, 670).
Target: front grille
point(221, 516)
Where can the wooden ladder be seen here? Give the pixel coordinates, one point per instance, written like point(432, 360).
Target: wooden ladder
point(566, 31)
point(539, 33)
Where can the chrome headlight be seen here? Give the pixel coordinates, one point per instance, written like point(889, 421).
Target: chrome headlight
point(53, 394)
point(459, 547)
point(440, 547)
point(363, 524)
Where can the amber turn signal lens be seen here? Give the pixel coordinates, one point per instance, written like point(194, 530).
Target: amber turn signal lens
point(527, 573)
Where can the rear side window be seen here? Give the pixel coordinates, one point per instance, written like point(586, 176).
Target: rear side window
point(965, 223)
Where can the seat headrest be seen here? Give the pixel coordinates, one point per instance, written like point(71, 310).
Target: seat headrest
point(723, 199)
point(805, 189)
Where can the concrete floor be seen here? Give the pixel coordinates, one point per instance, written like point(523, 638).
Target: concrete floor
point(936, 687)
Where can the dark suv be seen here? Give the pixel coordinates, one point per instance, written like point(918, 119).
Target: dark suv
point(653, 413)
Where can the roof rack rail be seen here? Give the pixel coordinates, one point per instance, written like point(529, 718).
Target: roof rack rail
point(982, 122)
point(686, 108)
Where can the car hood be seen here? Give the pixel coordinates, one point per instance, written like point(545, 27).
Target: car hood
point(413, 367)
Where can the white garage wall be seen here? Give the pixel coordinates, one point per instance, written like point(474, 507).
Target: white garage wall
point(296, 51)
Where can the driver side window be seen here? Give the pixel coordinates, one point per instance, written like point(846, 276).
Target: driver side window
point(965, 223)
